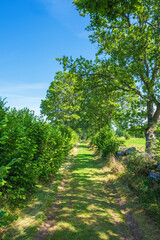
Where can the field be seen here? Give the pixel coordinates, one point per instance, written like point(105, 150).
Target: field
point(138, 143)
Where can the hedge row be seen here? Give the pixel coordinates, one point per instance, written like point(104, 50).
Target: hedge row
point(30, 150)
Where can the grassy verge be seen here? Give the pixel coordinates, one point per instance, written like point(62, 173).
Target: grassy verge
point(141, 204)
point(138, 143)
point(32, 216)
point(88, 200)
point(136, 173)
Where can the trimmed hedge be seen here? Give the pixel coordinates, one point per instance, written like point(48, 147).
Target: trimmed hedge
point(30, 150)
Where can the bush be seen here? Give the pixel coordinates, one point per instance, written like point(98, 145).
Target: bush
point(126, 135)
point(137, 167)
point(106, 141)
point(20, 149)
point(57, 142)
point(33, 149)
point(139, 164)
point(30, 150)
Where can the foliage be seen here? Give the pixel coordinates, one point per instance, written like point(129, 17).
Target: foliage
point(106, 141)
point(5, 218)
point(137, 167)
point(119, 132)
point(72, 101)
point(109, 9)
point(157, 150)
point(30, 150)
point(126, 135)
point(127, 35)
point(138, 164)
point(62, 102)
point(57, 142)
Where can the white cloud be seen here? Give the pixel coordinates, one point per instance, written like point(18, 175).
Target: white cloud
point(24, 95)
point(25, 98)
point(15, 87)
point(33, 86)
point(20, 102)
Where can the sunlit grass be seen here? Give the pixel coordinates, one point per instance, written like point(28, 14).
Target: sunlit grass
point(32, 216)
point(95, 204)
point(86, 210)
point(92, 204)
point(138, 143)
point(146, 226)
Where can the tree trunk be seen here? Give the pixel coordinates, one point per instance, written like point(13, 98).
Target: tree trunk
point(153, 121)
point(150, 139)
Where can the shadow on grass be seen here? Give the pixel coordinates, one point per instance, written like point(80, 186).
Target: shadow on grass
point(89, 208)
point(31, 216)
point(83, 209)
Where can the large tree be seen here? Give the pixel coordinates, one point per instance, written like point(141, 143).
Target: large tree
point(78, 101)
point(103, 102)
point(127, 33)
point(62, 103)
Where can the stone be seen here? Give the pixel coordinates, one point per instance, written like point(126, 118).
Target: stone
point(158, 167)
point(123, 148)
point(130, 150)
point(154, 175)
point(120, 154)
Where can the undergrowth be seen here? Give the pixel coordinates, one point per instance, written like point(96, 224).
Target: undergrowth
point(133, 172)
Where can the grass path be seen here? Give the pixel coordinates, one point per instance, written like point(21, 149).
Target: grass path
point(85, 201)
point(89, 207)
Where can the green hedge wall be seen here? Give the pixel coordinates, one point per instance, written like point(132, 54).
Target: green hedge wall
point(30, 150)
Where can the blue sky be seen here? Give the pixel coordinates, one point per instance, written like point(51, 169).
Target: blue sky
point(32, 34)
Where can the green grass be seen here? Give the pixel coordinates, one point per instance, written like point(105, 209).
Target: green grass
point(93, 205)
point(32, 216)
point(84, 211)
point(138, 143)
point(86, 202)
point(128, 185)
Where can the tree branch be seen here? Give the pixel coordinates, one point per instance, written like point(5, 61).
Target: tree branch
point(109, 78)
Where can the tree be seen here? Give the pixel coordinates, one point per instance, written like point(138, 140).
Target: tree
point(62, 103)
point(128, 36)
point(73, 99)
point(105, 101)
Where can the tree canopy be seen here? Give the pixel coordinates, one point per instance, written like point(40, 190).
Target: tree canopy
point(122, 85)
point(128, 37)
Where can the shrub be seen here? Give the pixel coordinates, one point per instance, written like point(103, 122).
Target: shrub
point(126, 135)
point(55, 146)
point(106, 141)
point(137, 167)
point(19, 151)
point(139, 164)
point(32, 148)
